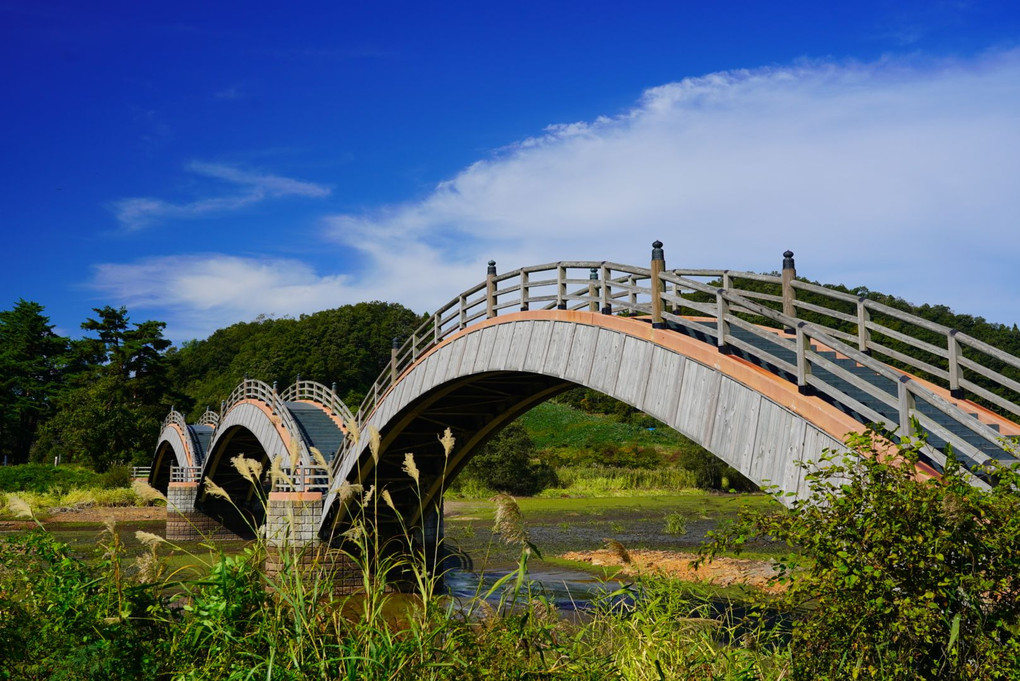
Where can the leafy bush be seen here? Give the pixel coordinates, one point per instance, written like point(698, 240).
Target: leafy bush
point(905, 578)
point(676, 524)
point(507, 463)
point(38, 477)
point(610, 481)
point(712, 472)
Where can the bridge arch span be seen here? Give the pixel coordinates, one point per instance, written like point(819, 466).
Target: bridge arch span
point(180, 445)
point(480, 379)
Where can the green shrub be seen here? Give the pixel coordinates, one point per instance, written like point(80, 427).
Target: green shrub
point(38, 477)
point(611, 455)
point(712, 472)
point(610, 481)
point(508, 463)
point(676, 524)
point(905, 578)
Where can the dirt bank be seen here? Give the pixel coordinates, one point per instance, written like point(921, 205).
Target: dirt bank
point(721, 571)
point(94, 514)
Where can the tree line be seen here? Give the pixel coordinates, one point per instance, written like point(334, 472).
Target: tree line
point(99, 401)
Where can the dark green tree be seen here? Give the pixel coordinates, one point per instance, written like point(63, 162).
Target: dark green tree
point(32, 358)
point(348, 346)
point(117, 394)
point(508, 463)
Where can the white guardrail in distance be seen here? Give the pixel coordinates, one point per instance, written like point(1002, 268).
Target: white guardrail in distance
point(209, 418)
point(185, 473)
point(305, 478)
point(615, 288)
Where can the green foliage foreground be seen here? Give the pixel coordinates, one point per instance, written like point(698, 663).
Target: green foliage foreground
point(895, 578)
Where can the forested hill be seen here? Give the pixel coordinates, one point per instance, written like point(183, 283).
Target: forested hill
point(347, 345)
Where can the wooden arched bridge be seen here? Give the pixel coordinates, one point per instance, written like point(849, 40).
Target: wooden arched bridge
point(761, 370)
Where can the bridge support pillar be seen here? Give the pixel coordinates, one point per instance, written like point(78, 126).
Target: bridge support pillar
point(183, 521)
point(293, 546)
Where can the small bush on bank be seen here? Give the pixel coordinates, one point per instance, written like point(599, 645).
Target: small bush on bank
point(42, 503)
point(508, 463)
point(39, 477)
point(905, 578)
point(611, 481)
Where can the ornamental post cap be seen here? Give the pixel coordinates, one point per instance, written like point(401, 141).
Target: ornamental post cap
point(492, 267)
point(787, 254)
point(593, 273)
point(788, 260)
point(396, 343)
point(657, 253)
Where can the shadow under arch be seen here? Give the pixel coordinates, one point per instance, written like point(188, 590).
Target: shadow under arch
point(249, 429)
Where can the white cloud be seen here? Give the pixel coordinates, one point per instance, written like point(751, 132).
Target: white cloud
point(251, 188)
point(900, 175)
point(199, 293)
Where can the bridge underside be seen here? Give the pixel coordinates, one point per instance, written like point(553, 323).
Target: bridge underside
point(246, 509)
point(482, 379)
point(474, 408)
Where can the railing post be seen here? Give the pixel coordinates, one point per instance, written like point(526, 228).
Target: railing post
point(632, 294)
point(561, 287)
point(607, 293)
point(722, 310)
point(593, 294)
point(658, 265)
point(863, 317)
point(727, 281)
point(803, 366)
point(462, 321)
point(953, 346)
point(437, 321)
point(789, 274)
point(394, 350)
point(525, 292)
point(906, 405)
point(414, 347)
point(490, 290)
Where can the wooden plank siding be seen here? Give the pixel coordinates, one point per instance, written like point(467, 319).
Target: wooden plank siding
point(757, 424)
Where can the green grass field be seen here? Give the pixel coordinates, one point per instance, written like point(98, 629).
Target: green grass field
point(557, 426)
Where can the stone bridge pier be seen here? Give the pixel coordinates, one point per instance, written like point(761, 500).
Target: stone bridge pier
point(294, 548)
point(183, 521)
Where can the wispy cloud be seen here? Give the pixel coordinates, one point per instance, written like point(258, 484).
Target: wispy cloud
point(199, 293)
point(899, 175)
point(249, 188)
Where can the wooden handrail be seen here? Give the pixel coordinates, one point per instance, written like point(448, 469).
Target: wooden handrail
point(626, 288)
point(313, 391)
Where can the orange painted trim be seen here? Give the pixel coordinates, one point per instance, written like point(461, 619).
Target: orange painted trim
point(183, 485)
point(275, 420)
point(826, 418)
point(295, 496)
point(186, 440)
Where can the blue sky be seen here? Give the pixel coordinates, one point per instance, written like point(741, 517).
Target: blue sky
point(204, 163)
